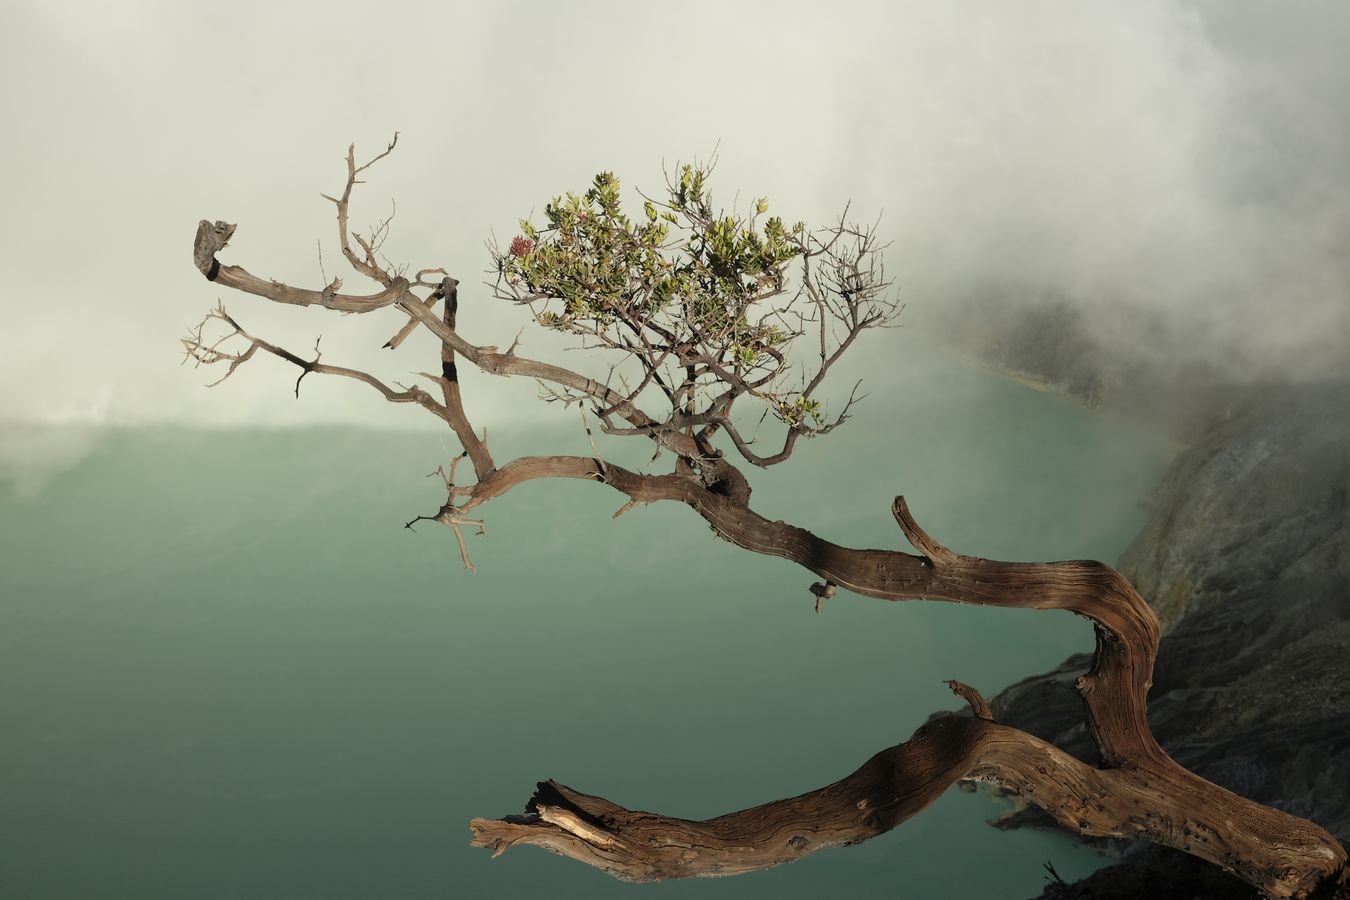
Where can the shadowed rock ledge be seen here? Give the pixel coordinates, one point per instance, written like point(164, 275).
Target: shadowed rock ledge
point(1246, 560)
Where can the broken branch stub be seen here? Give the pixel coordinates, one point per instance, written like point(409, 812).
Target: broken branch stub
point(211, 239)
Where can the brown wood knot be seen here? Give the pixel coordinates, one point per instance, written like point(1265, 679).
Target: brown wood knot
point(823, 592)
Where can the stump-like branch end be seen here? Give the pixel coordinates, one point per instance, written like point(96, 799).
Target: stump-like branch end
point(211, 239)
point(823, 592)
point(937, 554)
point(978, 705)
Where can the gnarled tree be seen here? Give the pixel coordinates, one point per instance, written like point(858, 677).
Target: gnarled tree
point(706, 317)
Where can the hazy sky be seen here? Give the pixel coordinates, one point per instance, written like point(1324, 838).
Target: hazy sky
point(1188, 158)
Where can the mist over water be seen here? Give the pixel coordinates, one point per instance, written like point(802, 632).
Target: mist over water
point(226, 670)
point(1176, 172)
point(1184, 197)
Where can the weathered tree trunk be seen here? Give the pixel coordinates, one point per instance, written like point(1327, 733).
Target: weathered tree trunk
point(1140, 792)
point(1169, 806)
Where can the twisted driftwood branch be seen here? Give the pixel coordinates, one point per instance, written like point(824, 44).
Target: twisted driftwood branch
point(1168, 807)
point(1139, 792)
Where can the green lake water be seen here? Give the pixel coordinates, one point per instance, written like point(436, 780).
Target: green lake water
point(226, 671)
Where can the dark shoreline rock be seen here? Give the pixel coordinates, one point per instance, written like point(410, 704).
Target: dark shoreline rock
point(1152, 872)
point(1246, 559)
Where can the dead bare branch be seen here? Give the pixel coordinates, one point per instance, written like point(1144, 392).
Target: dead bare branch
point(449, 514)
point(366, 265)
point(202, 353)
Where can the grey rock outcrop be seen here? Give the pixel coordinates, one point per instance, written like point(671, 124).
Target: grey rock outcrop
point(1246, 559)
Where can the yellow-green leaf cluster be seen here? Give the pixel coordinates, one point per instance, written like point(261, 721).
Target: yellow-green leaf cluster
point(690, 274)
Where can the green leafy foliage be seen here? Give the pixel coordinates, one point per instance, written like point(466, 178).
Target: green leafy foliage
point(698, 298)
point(797, 410)
point(686, 272)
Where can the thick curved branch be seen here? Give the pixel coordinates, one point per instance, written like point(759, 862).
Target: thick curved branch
point(242, 280)
point(1114, 690)
point(1141, 793)
point(639, 846)
point(1175, 808)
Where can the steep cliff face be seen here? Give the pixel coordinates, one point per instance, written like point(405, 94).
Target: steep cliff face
point(1246, 559)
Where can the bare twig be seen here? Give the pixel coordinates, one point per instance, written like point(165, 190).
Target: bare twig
point(368, 265)
point(202, 353)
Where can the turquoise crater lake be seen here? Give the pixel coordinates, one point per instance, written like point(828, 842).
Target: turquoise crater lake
point(227, 671)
